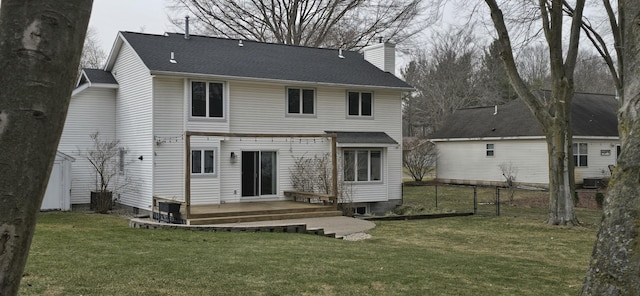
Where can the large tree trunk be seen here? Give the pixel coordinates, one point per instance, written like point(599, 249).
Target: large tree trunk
point(561, 175)
point(40, 46)
point(615, 262)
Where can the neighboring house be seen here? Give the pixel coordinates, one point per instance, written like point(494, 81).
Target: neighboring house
point(473, 143)
point(227, 95)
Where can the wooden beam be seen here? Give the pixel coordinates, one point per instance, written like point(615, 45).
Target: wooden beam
point(187, 175)
point(246, 135)
point(334, 168)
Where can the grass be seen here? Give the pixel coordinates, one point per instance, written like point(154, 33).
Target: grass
point(90, 254)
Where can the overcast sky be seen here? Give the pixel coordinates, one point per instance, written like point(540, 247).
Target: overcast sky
point(110, 16)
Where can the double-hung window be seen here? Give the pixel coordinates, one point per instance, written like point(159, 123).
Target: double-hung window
point(490, 150)
point(300, 101)
point(207, 99)
point(362, 165)
point(359, 104)
point(580, 154)
point(203, 162)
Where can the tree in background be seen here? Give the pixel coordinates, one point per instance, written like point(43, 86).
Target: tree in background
point(346, 24)
point(92, 55)
point(39, 57)
point(444, 78)
point(554, 113)
point(494, 87)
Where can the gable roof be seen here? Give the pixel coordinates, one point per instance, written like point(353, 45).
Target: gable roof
point(226, 58)
point(96, 76)
point(593, 115)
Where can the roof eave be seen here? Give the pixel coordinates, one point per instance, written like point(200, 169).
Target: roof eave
point(115, 50)
point(284, 81)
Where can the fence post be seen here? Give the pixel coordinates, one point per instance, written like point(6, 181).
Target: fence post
point(497, 201)
point(436, 196)
point(475, 200)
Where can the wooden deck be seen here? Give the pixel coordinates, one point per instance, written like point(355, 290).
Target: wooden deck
point(255, 211)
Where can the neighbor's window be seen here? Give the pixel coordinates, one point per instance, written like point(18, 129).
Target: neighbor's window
point(490, 150)
point(207, 99)
point(580, 154)
point(362, 165)
point(203, 161)
point(121, 152)
point(359, 104)
point(300, 101)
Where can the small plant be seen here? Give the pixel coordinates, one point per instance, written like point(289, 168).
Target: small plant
point(509, 172)
point(314, 175)
point(420, 160)
point(107, 159)
point(600, 199)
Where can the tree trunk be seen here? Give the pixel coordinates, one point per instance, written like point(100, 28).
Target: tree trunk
point(40, 45)
point(561, 176)
point(615, 262)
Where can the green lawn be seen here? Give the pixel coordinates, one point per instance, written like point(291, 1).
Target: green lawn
point(92, 254)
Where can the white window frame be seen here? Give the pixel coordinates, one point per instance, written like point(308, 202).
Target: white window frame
point(301, 98)
point(360, 116)
point(355, 165)
point(202, 161)
point(208, 101)
point(491, 150)
point(577, 154)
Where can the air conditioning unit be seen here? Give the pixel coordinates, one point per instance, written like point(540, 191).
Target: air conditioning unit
point(592, 183)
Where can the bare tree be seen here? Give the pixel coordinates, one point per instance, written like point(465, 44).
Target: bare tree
point(421, 159)
point(92, 55)
point(347, 24)
point(40, 48)
point(615, 261)
point(554, 114)
point(592, 75)
point(444, 78)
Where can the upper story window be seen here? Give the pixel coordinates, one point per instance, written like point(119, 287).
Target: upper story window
point(301, 101)
point(207, 99)
point(490, 150)
point(580, 154)
point(362, 165)
point(359, 104)
point(203, 162)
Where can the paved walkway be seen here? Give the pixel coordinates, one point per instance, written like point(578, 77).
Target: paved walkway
point(340, 225)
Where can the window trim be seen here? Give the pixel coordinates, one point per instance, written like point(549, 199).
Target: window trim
point(576, 155)
point(359, 116)
point(491, 150)
point(301, 109)
point(369, 170)
point(206, 117)
point(202, 159)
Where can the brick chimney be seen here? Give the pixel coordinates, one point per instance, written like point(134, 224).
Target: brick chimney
point(382, 55)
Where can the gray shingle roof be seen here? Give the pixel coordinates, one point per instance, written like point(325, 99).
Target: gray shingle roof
point(224, 57)
point(362, 137)
point(99, 76)
point(592, 115)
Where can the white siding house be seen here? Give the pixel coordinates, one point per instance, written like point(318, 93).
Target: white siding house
point(162, 87)
point(474, 143)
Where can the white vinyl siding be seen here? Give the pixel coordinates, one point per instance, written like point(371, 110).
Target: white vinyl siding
point(134, 125)
point(330, 115)
point(90, 111)
point(529, 157)
point(168, 126)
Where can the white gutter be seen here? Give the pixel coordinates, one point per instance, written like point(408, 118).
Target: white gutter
point(268, 80)
point(519, 138)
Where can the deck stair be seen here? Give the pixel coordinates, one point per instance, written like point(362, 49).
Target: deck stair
point(263, 211)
